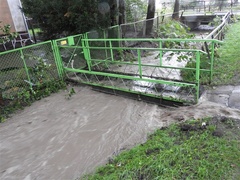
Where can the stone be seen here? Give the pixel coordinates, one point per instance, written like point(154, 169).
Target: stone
point(234, 99)
point(219, 98)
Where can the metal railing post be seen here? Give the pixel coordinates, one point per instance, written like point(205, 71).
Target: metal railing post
point(57, 57)
point(160, 52)
point(212, 61)
point(197, 75)
point(26, 68)
point(139, 63)
point(111, 50)
point(86, 52)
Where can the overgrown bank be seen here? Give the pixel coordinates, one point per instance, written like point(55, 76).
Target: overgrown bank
point(27, 96)
point(197, 149)
point(227, 65)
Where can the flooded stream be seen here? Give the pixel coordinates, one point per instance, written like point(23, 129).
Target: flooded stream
point(60, 138)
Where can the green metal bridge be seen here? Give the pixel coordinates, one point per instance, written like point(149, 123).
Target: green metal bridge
point(146, 69)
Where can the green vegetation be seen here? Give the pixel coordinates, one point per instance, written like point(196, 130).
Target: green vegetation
point(17, 93)
point(173, 29)
point(8, 36)
point(60, 18)
point(188, 150)
point(189, 75)
point(227, 65)
point(25, 97)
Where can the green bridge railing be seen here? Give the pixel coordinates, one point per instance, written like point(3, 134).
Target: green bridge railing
point(143, 70)
point(102, 59)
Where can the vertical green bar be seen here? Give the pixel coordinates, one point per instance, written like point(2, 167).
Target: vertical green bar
point(197, 75)
point(70, 40)
point(111, 51)
point(58, 59)
point(212, 60)
point(160, 52)
point(139, 63)
point(89, 62)
point(25, 67)
point(86, 53)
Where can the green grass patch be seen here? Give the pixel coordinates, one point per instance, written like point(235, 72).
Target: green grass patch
point(181, 151)
point(227, 65)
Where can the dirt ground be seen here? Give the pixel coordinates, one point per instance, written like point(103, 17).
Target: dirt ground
point(61, 138)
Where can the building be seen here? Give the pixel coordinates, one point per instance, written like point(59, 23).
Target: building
point(11, 14)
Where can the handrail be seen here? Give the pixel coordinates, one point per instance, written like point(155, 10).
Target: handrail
point(224, 20)
point(157, 40)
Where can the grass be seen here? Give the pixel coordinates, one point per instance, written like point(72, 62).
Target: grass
point(181, 151)
point(227, 65)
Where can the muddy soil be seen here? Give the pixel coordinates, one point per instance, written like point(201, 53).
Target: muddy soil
point(61, 138)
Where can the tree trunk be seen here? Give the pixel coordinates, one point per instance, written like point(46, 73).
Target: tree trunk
point(175, 14)
point(150, 15)
point(1, 99)
point(221, 5)
point(122, 11)
point(113, 11)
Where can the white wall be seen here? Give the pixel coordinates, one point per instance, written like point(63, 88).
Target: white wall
point(17, 16)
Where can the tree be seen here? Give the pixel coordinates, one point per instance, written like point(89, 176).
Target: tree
point(150, 16)
point(135, 10)
point(122, 12)
point(1, 99)
point(65, 17)
point(113, 11)
point(175, 14)
point(221, 3)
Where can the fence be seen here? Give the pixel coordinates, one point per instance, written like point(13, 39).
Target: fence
point(138, 29)
point(27, 67)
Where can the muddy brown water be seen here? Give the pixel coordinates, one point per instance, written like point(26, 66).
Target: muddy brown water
point(60, 138)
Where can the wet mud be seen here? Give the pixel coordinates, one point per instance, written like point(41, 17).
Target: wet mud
point(61, 138)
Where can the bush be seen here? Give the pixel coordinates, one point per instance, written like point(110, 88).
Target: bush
point(173, 29)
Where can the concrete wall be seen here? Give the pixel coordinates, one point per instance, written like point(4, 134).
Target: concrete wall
point(11, 14)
